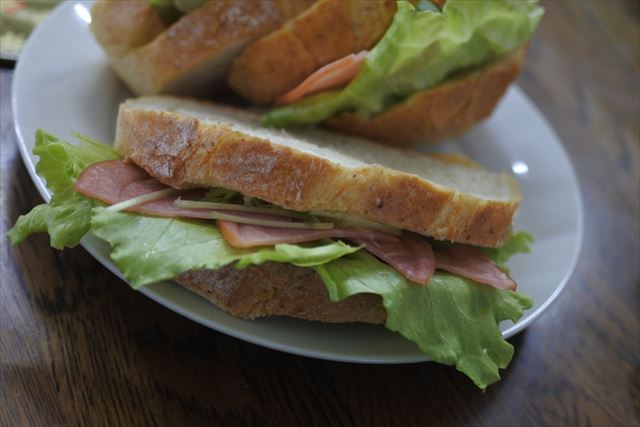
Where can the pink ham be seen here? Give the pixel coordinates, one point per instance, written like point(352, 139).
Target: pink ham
point(248, 235)
point(114, 181)
point(471, 263)
point(105, 180)
point(410, 255)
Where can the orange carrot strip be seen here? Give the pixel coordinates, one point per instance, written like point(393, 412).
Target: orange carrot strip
point(335, 74)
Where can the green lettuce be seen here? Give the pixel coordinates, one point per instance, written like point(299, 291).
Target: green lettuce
point(61, 163)
point(453, 320)
point(66, 222)
point(419, 50)
point(518, 243)
point(149, 249)
point(67, 216)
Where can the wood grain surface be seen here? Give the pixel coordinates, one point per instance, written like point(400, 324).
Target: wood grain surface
point(79, 347)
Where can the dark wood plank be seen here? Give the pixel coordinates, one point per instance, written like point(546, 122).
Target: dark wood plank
point(77, 346)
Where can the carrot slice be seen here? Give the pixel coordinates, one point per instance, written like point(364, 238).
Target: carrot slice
point(335, 74)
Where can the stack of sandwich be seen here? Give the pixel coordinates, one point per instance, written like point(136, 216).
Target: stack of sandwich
point(303, 222)
point(392, 71)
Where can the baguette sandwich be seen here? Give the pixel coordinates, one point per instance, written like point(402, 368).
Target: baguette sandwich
point(313, 225)
point(439, 68)
point(398, 72)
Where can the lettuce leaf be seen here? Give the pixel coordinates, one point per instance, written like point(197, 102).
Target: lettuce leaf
point(149, 249)
point(419, 50)
point(67, 216)
point(60, 162)
point(66, 222)
point(453, 320)
point(517, 243)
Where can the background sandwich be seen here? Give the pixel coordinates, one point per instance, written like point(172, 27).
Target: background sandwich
point(155, 47)
point(436, 71)
point(311, 225)
point(398, 72)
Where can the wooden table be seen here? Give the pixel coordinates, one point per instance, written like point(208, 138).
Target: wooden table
point(77, 346)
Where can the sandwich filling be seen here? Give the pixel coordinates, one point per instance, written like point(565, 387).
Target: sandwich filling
point(158, 233)
point(423, 46)
point(125, 186)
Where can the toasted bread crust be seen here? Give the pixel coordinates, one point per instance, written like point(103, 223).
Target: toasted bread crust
point(327, 31)
point(123, 25)
point(442, 112)
point(193, 55)
point(277, 289)
point(183, 151)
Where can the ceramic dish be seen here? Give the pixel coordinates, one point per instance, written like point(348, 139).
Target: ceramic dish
point(63, 83)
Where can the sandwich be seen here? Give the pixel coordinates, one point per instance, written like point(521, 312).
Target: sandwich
point(398, 72)
point(306, 224)
point(438, 69)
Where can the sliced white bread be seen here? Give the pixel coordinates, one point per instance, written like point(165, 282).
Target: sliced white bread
point(186, 143)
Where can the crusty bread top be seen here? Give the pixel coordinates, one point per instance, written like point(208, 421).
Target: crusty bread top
point(326, 31)
point(123, 25)
point(187, 143)
point(192, 55)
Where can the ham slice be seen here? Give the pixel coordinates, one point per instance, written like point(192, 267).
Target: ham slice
point(114, 181)
point(249, 236)
point(471, 263)
point(411, 255)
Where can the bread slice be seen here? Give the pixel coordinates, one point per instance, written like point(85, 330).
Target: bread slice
point(123, 25)
point(193, 55)
point(328, 30)
point(186, 143)
point(446, 110)
point(277, 289)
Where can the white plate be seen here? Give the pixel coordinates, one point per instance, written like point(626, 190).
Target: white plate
point(63, 83)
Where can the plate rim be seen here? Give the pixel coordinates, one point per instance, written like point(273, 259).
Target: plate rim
point(515, 328)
